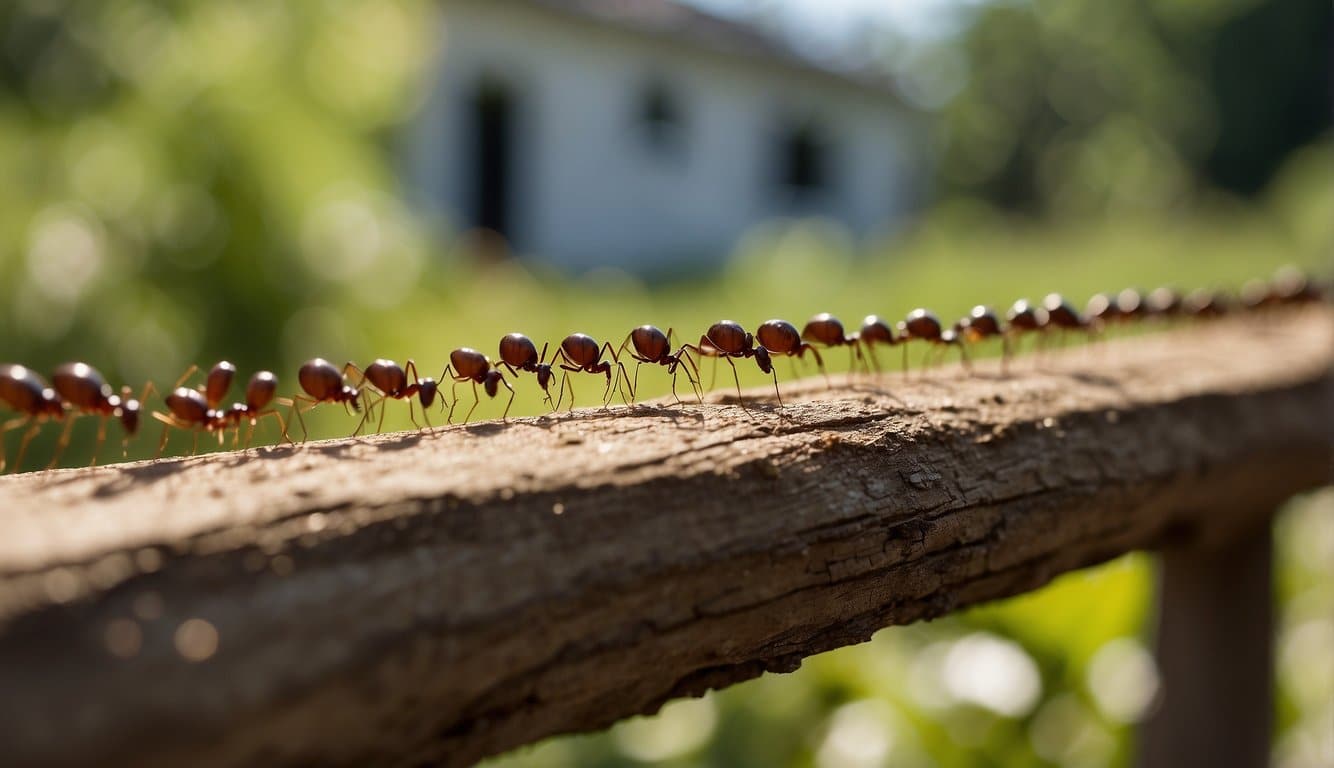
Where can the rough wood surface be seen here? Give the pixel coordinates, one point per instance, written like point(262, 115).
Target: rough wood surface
point(435, 598)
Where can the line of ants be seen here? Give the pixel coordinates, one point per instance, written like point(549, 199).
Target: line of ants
point(78, 390)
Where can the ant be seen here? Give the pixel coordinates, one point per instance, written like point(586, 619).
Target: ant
point(1024, 318)
point(259, 392)
point(519, 353)
point(780, 337)
point(981, 324)
point(188, 409)
point(1292, 286)
point(580, 352)
point(876, 331)
point(200, 409)
point(922, 324)
point(727, 339)
point(826, 329)
point(1163, 302)
point(323, 383)
point(1103, 310)
point(392, 382)
point(1204, 303)
point(1064, 317)
point(26, 392)
point(655, 347)
point(84, 391)
point(470, 365)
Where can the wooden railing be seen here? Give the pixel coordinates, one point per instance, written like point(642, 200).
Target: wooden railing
point(439, 597)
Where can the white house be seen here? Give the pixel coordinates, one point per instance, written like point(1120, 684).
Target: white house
point(644, 133)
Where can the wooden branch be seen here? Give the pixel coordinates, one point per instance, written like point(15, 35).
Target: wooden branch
point(441, 597)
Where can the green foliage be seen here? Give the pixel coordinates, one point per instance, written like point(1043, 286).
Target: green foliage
point(1085, 106)
point(186, 181)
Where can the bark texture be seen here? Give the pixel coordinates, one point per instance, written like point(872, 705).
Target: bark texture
point(435, 598)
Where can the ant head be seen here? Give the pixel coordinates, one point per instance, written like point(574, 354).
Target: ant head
point(260, 390)
point(778, 337)
point(51, 404)
point(128, 413)
point(492, 382)
point(352, 395)
point(544, 376)
point(517, 350)
point(763, 360)
point(426, 391)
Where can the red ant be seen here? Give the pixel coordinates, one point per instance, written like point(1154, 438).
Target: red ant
point(655, 347)
point(1064, 317)
point(392, 382)
point(519, 353)
point(826, 329)
point(1164, 302)
point(259, 392)
point(84, 391)
point(727, 339)
point(1103, 310)
point(981, 324)
point(780, 337)
point(188, 409)
point(580, 352)
point(201, 407)
point(1024, 318)
point(323, 383)
point(1204, 303)
point(876, 331)
point(26, 392)
point(922, 324)
point(470, 365)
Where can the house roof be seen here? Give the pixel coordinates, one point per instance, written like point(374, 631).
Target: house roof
point(672, 20)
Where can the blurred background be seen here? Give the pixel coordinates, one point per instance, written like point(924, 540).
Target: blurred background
point(186, 181)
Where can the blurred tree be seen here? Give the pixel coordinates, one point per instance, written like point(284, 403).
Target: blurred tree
point(185, 179)
point(1085, 106)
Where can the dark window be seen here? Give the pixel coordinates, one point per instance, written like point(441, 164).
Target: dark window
point(660, 115)
point(802, 159)
point(492, 153)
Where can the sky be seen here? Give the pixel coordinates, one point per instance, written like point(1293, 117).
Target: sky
point(834, 21)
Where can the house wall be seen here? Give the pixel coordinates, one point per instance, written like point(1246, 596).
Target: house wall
point(590, 189)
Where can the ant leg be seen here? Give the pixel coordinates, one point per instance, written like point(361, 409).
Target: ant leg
point(194, 450)
point(284, 402)
point(454, 392)
point(63, 442)
point(476, 399)
point(778, 394)
point(101, 438)
point(297, 400)
point(623, 376)
point(635, 386)
point(168, 422)
point(28, 435)
point(12, 424)
point(505, 416)
point(736, 377)
point(905, 359)
point(188, 373)
point(802, 349)
point(963, 358)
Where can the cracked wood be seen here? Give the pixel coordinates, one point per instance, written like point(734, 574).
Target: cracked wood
point(437, 598)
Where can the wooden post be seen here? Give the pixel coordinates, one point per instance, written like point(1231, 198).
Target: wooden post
point(1215, 654)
